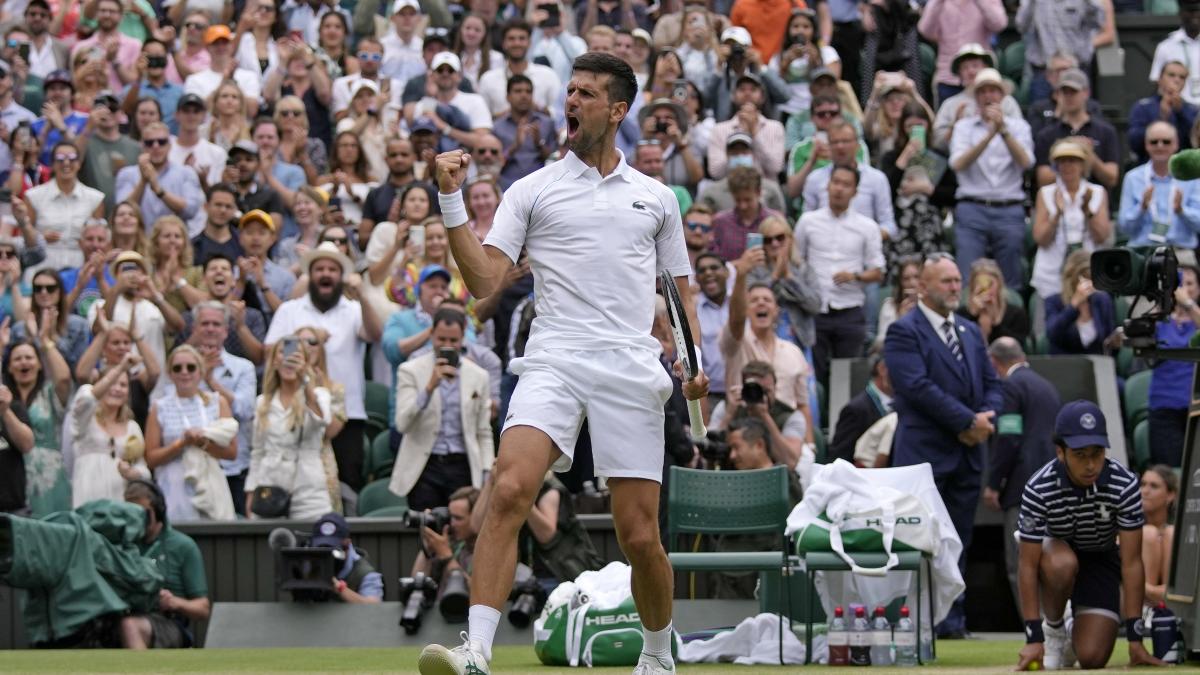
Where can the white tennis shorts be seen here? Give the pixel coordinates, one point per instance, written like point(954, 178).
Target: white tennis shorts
point(621, 392)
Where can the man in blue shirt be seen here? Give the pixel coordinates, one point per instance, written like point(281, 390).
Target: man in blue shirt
point(283, 177)
point(1166, 105)
point(158, 186)
point(58, 120)
point(152, 81)
point(1080, 527)
point(1156, 209)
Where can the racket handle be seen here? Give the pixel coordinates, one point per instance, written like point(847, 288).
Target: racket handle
point(697, 420)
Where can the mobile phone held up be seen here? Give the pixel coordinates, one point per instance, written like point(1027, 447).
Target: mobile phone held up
point(754, 240)
point(291, 344)
point(450, 356)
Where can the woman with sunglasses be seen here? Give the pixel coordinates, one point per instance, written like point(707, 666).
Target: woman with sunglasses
point(349, 178)
point(89, 73)
point(107, 443)
point(41, 381)
point(792, 280)
point(48, 317)
point(227, 123)
point(258, 29)
point(312, 341)
point(331, 46)
point(483, 198)
point(473, 44)
point(295, 144)
point(110, 345)
point(177, 422)
point(148, 110)
point(290, 419)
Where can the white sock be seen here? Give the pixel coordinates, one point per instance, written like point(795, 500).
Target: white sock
point(657, 643)
point(481, 627)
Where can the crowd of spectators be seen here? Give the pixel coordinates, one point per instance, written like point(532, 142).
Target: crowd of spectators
point(218, 223)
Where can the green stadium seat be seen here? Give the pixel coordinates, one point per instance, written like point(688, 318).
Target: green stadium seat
point(731, 502)
point(822, 405)
point(928, 63)
point(379, 457)
point(1121, 304)
point(398, 511)
point(376, 495)
point(1012, 61)
point(1137, 398)
point(1141, 446)
point(1124, 361)
point(822, 445)
point(1041, 344)
point(375, 399)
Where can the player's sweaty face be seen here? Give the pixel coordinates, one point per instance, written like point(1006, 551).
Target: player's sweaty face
point(587, 110)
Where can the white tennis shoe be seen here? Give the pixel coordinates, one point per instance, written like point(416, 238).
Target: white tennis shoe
point(1060, 653)
point(649, 665)
point(465, 659)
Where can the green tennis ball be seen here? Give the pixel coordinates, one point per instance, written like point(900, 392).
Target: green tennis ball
point(1185, 165)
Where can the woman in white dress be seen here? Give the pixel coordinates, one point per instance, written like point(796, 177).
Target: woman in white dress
point(107, 442)
point(289, 430)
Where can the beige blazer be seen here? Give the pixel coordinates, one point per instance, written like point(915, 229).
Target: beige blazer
point(421, 426)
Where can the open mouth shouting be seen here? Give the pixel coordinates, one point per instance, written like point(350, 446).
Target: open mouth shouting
point(572, 127)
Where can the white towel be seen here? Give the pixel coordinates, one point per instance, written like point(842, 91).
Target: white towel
point(754, 641)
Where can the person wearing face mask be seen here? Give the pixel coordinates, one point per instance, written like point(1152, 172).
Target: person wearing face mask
point(716, 195)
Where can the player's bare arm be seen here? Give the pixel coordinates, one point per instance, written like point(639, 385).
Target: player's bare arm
point(482, 268)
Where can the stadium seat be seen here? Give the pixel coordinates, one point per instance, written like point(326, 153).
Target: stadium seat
point(822, 406)
point(375, 399)
point(1137, 398)
point(730, 502)
point(822, 445)
point(928, 63)
point(1141, 446)
point(1124, 361)
point(398, 511)
point(376, 495)
point(379, 457)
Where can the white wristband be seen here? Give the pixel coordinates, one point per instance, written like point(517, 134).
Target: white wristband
point(454, 210)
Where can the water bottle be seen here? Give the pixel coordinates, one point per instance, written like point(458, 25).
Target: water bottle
point(838, 639)
point(860, 638)
point(881, 639)
point(905, 639)
point(1166, 637)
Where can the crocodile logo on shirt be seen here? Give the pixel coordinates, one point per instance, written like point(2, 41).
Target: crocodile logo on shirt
point(639, 206)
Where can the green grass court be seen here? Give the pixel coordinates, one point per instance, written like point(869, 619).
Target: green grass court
point(971, 656)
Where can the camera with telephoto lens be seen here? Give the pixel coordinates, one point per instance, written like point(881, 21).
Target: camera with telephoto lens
point(753, 393)
point(436, 519)
point(528, 597)
point(1154, 276)
point(456, 597)
point(305, 571)
point(417, 593)
point(713, 447)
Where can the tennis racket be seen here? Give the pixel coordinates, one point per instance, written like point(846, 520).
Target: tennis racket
point(685, 349)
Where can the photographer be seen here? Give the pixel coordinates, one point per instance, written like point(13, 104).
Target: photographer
point(750, 447)
point(740, 58)
point(184, 596)
point(453, 547)
point(786, 428)
point(443, 409)
point(357, 583)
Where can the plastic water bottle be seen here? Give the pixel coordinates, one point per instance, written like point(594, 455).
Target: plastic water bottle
point(905, 639)
point(881, 639)
point(1165, 635)
point(860, 638)
point(838, 639)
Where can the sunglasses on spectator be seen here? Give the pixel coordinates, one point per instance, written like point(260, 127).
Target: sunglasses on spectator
point(196, 25)
point(291, 113)
point(62, 159)
point(487, 151)
point(697, 225)
point(44, 288)
point(708, 268)
point(264, 9)
point(341, 241)
point(369, 56)
point(7, 253)
point(1159, 141)
point(311, 341)
point(445, 70)
point(777, 239)
point(826, 114)
point(151, 142)
point(180, 367)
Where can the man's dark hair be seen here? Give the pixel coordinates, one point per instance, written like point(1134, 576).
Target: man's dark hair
point(223, 187)
point(450, 316)
point(710, 254)
point(759, 284)
point(622, 84)
point(518, 79)
point(516, 24)
point(698, 207)
point(369, 39)
point(847, 168)
point(115, 2)
point(218, 256)
point(752, 430)
point(64, 143)
point(825, 99)
point(155, 41)
point(758, 369)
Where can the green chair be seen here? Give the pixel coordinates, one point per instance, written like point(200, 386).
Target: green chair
point(1124, 360)
point(822, 405)
point(375, 399)
point(376, 495)
point(379, 458)
point(731, 502)
point(388, 512)
point(909, 561)
point(1141, 445)
point(822, 445)
point(1137, 398)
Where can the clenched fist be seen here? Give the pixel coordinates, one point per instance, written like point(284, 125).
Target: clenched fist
point(451, 171)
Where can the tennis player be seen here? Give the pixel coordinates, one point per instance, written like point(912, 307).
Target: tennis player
point(597, 234)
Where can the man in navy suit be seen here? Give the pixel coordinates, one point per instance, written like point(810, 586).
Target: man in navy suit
point(946, 395)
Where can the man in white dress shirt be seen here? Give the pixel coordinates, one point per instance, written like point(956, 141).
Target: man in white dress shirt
point(845, 251)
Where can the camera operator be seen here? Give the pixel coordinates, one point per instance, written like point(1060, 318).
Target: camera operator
point(454, 546)
point(749, 448)
point(184, 596)
point(357, 583)
point(786, 427)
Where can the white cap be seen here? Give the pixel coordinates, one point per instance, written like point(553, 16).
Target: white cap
point(363, 83)
point(401, 4)
point(737, 34)
point(446, 59)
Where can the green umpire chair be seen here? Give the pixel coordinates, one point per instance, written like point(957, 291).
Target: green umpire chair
point(731, 503)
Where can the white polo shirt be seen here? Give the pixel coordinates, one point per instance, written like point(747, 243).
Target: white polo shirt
point(596, 246)
point(343, 351)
